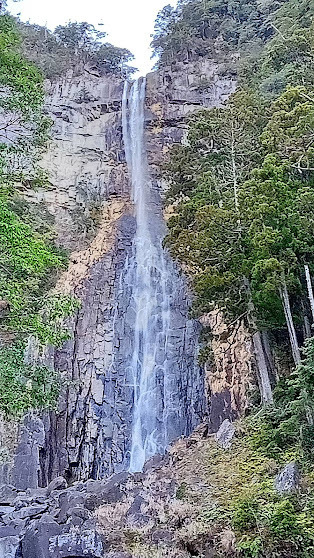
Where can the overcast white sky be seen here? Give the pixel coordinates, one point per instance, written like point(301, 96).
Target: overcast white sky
point(129, 23)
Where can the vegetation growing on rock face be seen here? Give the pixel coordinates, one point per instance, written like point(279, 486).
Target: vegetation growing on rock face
point(273, 38)
point(23, 386)
point(242, 188)
point(234, 491)
point(243, 184)
point(29, 260)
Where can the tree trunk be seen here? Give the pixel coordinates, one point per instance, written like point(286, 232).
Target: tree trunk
point(289, 319)
point(263, 375)
point(269, 357)
point(261, 362)
point(309, 288)
point(307, 327)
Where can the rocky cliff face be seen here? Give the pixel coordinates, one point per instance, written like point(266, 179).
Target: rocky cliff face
point(231, 370)
point(89, 196)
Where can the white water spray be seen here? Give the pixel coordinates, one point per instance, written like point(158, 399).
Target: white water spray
point(147, 277)
point(152, 283)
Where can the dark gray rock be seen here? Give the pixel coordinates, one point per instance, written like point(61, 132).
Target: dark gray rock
point(67, 501)
point(119, 479)
point(16, 525)
point(58, 483)
point(4, 510)
point(87, 543)
point(7, 494)
point(225, 434)
point(288, 481)
point(36, 495)
point(30, 511)
point(35, 544)
point(110, 494)
point(162, 536)
point(7, 531)
point(26, 468)
point(155, 462)
point(80, 512)
point(9, 547)
point(135, 516)
point(136, 506)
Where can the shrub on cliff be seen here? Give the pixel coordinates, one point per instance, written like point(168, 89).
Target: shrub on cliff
point(29, 260)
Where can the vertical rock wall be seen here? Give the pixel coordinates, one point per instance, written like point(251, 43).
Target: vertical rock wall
point(230, 370)
point(89, 192)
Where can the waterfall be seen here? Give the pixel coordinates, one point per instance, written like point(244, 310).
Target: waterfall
point(161, 367)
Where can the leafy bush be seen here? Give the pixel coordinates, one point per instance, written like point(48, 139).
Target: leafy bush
point(29, 261)
point(24, 387)
point(287, 426)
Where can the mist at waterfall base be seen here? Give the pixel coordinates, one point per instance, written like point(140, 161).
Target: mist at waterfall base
point(162, 367)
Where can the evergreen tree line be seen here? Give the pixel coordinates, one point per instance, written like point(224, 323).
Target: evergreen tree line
point(75, 46)
point(242, 225)
point(242, 187)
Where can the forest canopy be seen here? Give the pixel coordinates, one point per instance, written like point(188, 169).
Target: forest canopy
point(241, 189)
point(73, 46)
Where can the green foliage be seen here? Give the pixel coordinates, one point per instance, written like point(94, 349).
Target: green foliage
point(181, 491)
point(212, 27)
point(73, 46)
point(243, 199)
point(250, 547)
point(242, 497)
point(22, 78)
point(243, 192)
point(281, 525)
point(24, 128)
point(26, 264)
point(49, 324)
point(29, 262)
point(287, 427)
point(283, 432)
point(24, 387)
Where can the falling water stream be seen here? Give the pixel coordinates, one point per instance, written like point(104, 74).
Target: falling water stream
point(151, 280)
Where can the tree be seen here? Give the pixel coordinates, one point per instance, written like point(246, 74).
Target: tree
point(290, 131)
point(74, 46)
point(80, 36)
point(28, 258)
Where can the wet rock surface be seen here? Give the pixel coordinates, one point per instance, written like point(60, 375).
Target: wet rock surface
point(90, 435)
point(89, 197)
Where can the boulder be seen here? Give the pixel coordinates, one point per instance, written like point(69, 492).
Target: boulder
point(7, 494)
point(9, 546)
point(68, 500)
point(58, 483)
point(225, 434)
point(36, 541)
point(26, 463)
point(76, 542)
point(30, 511)
point(288, 481)
point(4, 510)
point(110, 494)
point(155, 462)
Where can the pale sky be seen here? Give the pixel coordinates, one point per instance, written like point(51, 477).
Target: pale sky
point(129, 23)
